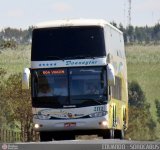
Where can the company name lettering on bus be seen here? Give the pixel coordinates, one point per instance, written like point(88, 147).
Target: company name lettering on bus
point(48, 72)
point(71, 63)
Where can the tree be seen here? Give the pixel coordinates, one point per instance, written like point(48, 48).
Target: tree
point(3, 106)
point(114, 24)
point(156, 33)
point(20, 105)
point(121, 28)
point(141, 124)
point(139, 35)
point(136, 95)
point(157, 103)
point(130, 34)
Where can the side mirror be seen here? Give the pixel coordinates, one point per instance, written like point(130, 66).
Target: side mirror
point(105, 92)
point(110, 75)
point(109, 58)
point(25, 79)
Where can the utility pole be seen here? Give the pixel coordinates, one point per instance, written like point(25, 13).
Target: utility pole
point(124, 13)
point(129, 12)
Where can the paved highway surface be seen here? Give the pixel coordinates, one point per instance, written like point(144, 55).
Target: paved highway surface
point(95, 144)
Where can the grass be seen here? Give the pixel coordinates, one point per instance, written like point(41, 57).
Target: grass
point(143, 64)
point(13, 61)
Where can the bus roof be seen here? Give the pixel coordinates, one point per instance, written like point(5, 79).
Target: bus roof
point(75, 22)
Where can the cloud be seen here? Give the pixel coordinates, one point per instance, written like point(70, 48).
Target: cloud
point(61, 7)
point(15, 13)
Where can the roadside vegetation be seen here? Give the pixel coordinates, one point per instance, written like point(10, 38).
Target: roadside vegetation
point(143, 62)
point(143, 69)
point(141, 123)
point(144, 96)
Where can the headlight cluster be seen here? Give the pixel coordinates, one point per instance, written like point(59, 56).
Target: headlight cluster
point(98, 114)
point(41, 117)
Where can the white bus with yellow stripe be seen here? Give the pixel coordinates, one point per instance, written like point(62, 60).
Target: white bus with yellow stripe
point(68, 57)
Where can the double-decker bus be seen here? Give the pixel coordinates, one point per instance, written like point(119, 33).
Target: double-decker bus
point(78, 79)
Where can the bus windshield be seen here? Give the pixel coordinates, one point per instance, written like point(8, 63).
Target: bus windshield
point(87, 84)
point(64, 42)
point(73, 86)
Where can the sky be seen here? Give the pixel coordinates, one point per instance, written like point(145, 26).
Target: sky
point(25, 13)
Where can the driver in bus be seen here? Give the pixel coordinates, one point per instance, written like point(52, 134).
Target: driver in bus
point(45, 90)
point(92, 89)
point(62, 89)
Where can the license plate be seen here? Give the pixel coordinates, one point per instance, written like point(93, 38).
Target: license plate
point(69, 124)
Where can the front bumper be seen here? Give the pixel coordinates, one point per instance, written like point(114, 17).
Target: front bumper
point(71, 124)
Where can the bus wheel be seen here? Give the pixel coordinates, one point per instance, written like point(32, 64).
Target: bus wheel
point(45, 136)
point(122, 134)
point(112, 133)
point(106, 134)
point(119, 134)
point(63, 136)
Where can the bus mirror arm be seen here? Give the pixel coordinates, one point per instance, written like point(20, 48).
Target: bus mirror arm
point(110, 75)
point(105, 91)
point(25, 79)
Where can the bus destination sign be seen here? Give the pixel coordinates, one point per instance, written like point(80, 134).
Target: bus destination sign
point(50, 72)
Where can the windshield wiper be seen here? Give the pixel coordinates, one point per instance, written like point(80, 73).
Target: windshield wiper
point(80, 56)
point(90, 100)
point(68, 57)
point(84, 56)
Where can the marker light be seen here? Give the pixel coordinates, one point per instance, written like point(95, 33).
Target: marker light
point(104, 123)
point(36, 126)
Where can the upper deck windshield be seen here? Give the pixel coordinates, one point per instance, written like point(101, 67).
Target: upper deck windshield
point(64, 42)
point(74, 86)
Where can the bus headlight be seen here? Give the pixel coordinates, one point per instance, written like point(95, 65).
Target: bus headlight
point(98, 114)
point(41, 117)
point(104, 123)
point(36, 126)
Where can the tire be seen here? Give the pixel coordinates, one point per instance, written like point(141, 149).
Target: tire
point(119, 134)
point(45, 136)
point(57, 136)
point(105, 134)
point(112, 133)
point(122, 134)
point(108, 134)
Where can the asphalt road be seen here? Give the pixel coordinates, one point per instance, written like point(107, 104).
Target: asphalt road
point(99, 141)
point(93, 144)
